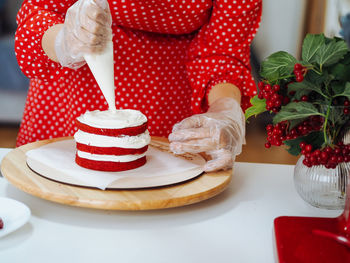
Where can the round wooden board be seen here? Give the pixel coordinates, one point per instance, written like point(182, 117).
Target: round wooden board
point(15, 169)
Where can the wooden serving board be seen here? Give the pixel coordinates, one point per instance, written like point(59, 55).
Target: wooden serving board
point(16, 171)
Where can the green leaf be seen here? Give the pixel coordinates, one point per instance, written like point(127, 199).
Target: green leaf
point(304, 87)
point(294, 148)
point(345, 92)
point(338, 88)
point(258, 106)
point(337, 117)
point(341, 71)
point(346, 59)
point(331, 53)
point(296, 110)
point(315, 78)
point(311, 45)
point(314, 138)
point(277, 65)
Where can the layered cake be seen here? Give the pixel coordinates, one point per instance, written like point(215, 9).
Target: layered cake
point(111, 140)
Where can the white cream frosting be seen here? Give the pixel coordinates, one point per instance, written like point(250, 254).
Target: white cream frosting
point(113, 119)
point(133, 142)
point(110, 158)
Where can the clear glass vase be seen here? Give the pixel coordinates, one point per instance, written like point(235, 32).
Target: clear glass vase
point(322, 187)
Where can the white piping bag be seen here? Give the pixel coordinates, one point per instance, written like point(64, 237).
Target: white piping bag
point(101, 66)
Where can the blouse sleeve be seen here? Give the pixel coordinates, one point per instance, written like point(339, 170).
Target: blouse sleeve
point(221, 51)
point(33, 19)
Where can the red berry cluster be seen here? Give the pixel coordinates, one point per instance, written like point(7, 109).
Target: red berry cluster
point(299, 72)
point(328, 157)
point(275, 134)
point(274, 100)
point(347, 107)
point(279, 133)
point(277, 96)
point(313, 123)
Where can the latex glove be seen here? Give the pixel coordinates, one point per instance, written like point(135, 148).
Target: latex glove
point(220, 133)
point(86, 30)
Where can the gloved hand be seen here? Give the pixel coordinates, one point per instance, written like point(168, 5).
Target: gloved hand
point(220, 133)
point(86, 30)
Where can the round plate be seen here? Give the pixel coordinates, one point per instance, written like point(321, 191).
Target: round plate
point(14, 214)
point(205, 186)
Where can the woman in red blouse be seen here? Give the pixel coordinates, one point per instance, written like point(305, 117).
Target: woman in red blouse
point(175, 61)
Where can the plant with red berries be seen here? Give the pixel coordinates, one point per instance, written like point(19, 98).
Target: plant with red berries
point(310, 99)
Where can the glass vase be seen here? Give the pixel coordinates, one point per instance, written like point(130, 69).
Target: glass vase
point(322, 187)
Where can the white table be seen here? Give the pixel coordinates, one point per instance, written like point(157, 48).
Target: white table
point(235, 226)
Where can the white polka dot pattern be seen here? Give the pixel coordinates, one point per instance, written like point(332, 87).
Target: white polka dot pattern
point(168, 54)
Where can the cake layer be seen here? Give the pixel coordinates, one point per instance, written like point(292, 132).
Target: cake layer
point(110, 150)
point(129, 142)
point(130, 131)
point(110, 158)
point(109, 166)
point(113, 119)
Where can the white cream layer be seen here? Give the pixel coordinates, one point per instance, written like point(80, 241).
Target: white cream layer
point(133, 142)
point(110, 158)
point(113, 119)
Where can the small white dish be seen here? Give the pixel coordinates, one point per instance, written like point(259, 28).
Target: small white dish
point(14, 214)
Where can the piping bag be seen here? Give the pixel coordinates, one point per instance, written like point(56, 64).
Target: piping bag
point(101, 66)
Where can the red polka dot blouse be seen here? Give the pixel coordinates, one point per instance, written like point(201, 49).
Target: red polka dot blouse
point(167, 56)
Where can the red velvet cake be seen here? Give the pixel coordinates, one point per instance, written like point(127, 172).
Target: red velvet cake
point(111, 140)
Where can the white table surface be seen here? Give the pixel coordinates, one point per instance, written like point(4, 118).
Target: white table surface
point(235, 226)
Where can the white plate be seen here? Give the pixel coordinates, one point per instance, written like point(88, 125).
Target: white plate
point(14, 214)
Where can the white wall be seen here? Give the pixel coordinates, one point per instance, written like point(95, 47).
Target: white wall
point(335, 9)
point(281, 27)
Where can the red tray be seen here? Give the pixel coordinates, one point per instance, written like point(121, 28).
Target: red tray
point(314, 240)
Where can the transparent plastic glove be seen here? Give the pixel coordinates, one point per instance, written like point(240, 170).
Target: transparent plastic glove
point(220, 133)
point(86, 30)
